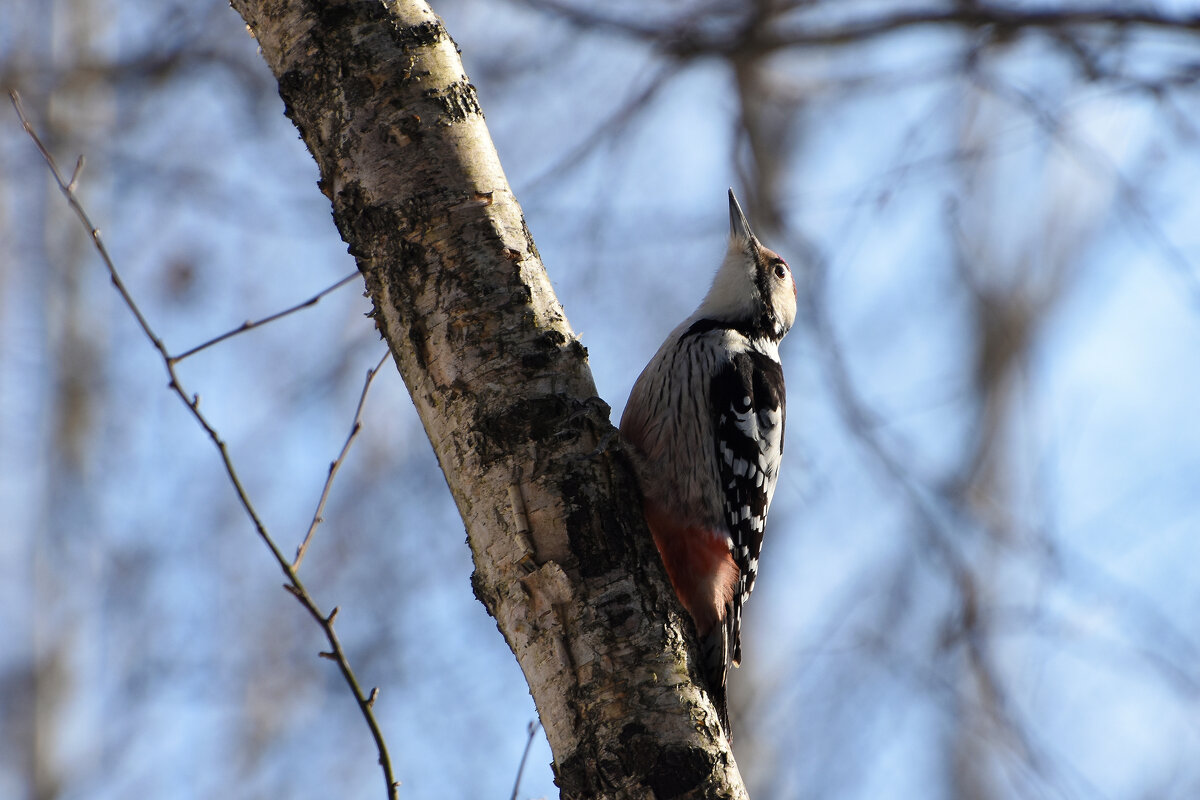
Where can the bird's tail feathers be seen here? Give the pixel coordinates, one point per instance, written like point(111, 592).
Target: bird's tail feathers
point(714, 657)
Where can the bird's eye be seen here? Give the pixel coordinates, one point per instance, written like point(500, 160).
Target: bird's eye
point(780, 269)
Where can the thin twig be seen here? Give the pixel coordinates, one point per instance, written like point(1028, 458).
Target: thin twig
point(355, 427)
point(533, 726)
point(293, 586)
point(250, 325)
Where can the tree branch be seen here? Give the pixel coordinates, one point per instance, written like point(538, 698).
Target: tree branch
point(503, 388)
point(249, 325)
point(685, 38)
point(336, 464)
point(294, 587)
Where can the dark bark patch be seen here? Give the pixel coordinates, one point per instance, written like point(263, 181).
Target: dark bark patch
point(418, 337)
point(416, 209)
point(410, 264)
point(616, 611)
point(535, 361)
point(359, 219)
point(333, 16)
point(680, 770)
point(552, 339)
point(483, 593)
point(291, 88)
point(458, 101)
point(422, 35)
point(547, 345)
point(576, 776)
point(527, 421)
point(594, 534)
point(359, 90)
point(669, 771)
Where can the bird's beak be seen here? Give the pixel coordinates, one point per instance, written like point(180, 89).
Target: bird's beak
point(738, 226)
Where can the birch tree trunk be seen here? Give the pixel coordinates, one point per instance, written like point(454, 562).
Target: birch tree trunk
point(562, 558)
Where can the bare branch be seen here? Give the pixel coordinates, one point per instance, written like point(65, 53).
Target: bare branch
point(248, 325)
point(972, 16)
point(683, 38)
point(336, 653)
point(355, 427)
point(532, 731)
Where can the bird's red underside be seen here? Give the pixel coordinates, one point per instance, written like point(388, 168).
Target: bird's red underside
point(699, 565)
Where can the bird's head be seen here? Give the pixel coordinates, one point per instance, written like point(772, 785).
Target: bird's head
point(754, 289)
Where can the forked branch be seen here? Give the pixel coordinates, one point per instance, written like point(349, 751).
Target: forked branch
point(294, 586)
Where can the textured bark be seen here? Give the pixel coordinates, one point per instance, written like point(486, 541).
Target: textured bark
point(562, 558)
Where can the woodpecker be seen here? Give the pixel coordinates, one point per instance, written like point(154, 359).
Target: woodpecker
point(705, 421)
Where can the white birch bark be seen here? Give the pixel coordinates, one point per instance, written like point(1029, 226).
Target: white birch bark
point(562, 558)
